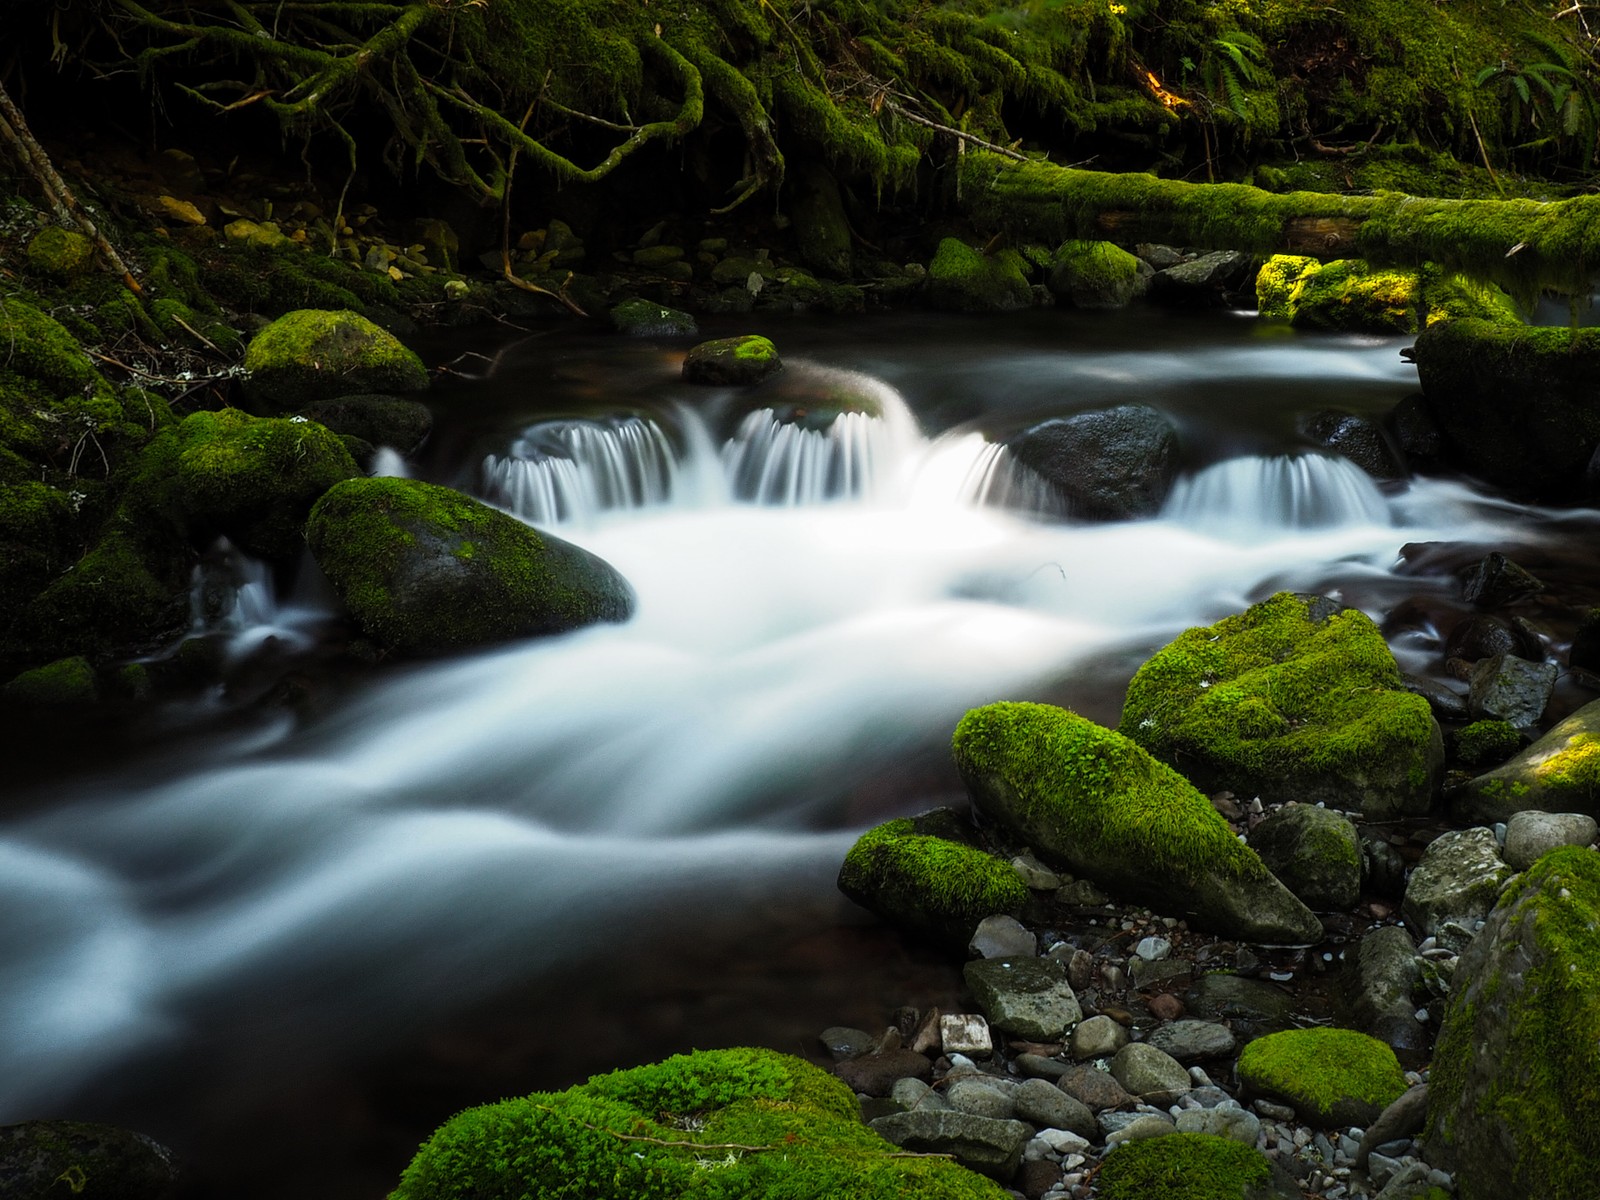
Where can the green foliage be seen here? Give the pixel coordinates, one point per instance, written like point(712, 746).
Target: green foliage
point(1485, 743)
point(1317, 1069)
point(1237, 76)
point(1550, 104)
point(1182, 1166)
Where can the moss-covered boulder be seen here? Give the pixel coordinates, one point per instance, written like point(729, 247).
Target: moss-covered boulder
point(1315, 852)
point(1292, 699)
point(424, 569)
point(930, 886)
point(1514, 1097)
point(1483, 743)
point(1342, 294)
point(315, 354)
point(1558, 773)
point(1332, 1077)
point(65, 683)
point(1087, 799)
point(733, 361)
point(966, 280)
point(1191, 1166)
point(1096, 275)
point(705, 1126)
point(377, 420)
point(42, 1160)
point(60, 253)
point(645, 318)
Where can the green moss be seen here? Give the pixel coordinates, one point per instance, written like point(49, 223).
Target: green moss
point(60, 253)
point(755, 347)
point(962, 279)
point(1272, 702)
point(713, 1125)
point(1320, 1070)
point(1343, 294)
point(1485, 743)
point(68, 682)
point(36, 347)
point(312, 354)
point(928, 884)
point(1575, 767)
point(1094, 273)
point(1183, 1166)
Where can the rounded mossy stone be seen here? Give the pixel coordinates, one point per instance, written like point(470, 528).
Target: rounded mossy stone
point(1289, 700)
point(643, 318)
point(965, 280)
point(1190, 1166)
point(1332, 1077)
point(65, 683)
point(1095, 275)
point(1317, 854)
point(1484, 743)
point(930, 886)
point(35, 346)
point(1514, 1094)
point(734, 361)
point(1343, 294)
point(39, 527)
point(711, 1125)
point(60, 253)
point(315, 354)
point(1087, 798)
point(377, 420)
point(425, 569)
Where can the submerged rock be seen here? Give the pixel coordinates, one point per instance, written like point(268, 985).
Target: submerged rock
point(1112, 464)
point(1091, 801)
point(1359, 439)
point(1293, 699)
point(427, 570)
point(736, 361)
point(313, 354)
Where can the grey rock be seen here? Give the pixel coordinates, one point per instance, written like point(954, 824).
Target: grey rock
point(1107, 465)
point(1314, 851)
point(1233, 997)
point(1507, 688)
point(982, 1144)
point(1097, 1089)
point(1483, 636)
point(842, 1042)
point(965, 1033)
point(1160, 257)
point(38, 1160)
point(1002, 937)
point(1036, 1066)
point(1359, 439)
point(1153, 949)
point(1384, 975)
point(1149, 1073)
point(1401, 1119)
point(1145, 974)
point(1206, 281)
point(1444, 701)
point(1531, 834)
point(1495, 581)
point(1029, 997)
point(1406, 1184)
point(1459, 878)
point(1098, 1037)
point(876, 1074)
point(1035, 874)
point(1229, 1122)
point(914, 1094)
point(1190, 1041)
point(1145, 1125)
point(1383, 868)
point(977, 1097)
point(1529, 782)
point(1047, 1106)
point(641, 318)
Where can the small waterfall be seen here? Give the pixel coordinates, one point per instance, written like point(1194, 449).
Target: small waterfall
point(997, 480)
point(233, 598)
point(1249, 496)
point(387, 461)
point(568, 472)
point(779, 462)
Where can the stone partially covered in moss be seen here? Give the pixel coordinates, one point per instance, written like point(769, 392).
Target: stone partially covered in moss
point(1092, 801)
point(1314, 851)
point(736, 361)
point(60, 253)
point(36, 347)
point(1343, 294)
point(1558, 773)
point(930, 886)
point(314, 354)
point(702, 1126)
point(643, 318)
point(965, 280)
point(1191, 1166)
point(427, 570)
point(1514, 1097)
point(1289, 701)
point(1096, 275)
point(44, 1160)
point(1332, 1077)
point(65, 683)
point(377, 420)
point(1483, 743)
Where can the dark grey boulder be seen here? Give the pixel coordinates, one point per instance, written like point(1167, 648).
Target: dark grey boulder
point(1111, 464)
point(1511, 689)
point(982, 1144)
point(1495, 580)
point(1359, 439)
point(53, 1160)
point(1314, 851)
point(644, 318)
point(1210, 281)
point(1379, 988)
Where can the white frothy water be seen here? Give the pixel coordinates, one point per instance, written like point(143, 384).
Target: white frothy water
point(475, 821)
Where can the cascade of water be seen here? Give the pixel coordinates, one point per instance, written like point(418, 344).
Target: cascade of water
point(568, 472)
point(387, 461)
point(1254, 495)
point(234, 597)
point(997, 480)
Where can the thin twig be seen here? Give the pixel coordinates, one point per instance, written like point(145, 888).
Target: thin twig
point(953, 132)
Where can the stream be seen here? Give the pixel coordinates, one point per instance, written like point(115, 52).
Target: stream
point(290, 945)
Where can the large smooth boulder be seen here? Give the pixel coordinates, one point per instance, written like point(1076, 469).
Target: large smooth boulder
point(1514, 1096)
point(966, 280)
point(44, 1160)
point(1111, 464)
point(930, 886)
point(1332, 1077)
point(1531, 835)
point(1558, 773)
point(1087, 799)
point(1097, 275)
point(1293, 699)
point(424, 569)
point(631, 1134)
point(314, 354)
point(1314, 851)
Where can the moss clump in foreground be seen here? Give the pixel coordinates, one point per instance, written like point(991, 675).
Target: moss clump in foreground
point(312, 354)
point(929, 885)
point(1093, 801)
point(1286, 703)
point(1514, 1098)
point(1184, 1166)
point(738, 1124)
point(1332, 1077)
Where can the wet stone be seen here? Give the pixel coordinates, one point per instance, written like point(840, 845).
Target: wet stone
point(1149, 1073)
point(1037, 1066)
point(1002, 937)
point(982, 1144)
point(843, 1043)
point(980, 1099)
point(1229, 1122)
point(1145, 974)
point(1144, 1125)
point(1511, 689)
point(1029, 997)
point(1191, 1041)
point(1531, 833)
point(1098, 1037)
point(876, 1074)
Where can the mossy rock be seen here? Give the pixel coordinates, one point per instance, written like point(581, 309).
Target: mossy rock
point(1342, 294)
point(377, 420)
point(1315, 852)
point(1091, 801)
point(1096, 275)
point(60, 253)
point(929, 886)
point(1191, 1166)
point(643, 318)
point(735, 361)
point(45, 1160)
point(1483, 743)
point(964, 280)
point(821, 228)
point(1558, 773)
point(1292, 699)
point(712, 1125)
point(35, 346)
point(38, 538)
point(314, 354)
point(1514, 1096)
point(65, 683)
point(427, 570)
point(1332, 1077)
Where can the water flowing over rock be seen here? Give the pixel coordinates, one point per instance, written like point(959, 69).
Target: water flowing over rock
point(1246, 497)
point(568, 472)
point(1109, 465)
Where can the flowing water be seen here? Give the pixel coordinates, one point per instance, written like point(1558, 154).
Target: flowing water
point(292, 946)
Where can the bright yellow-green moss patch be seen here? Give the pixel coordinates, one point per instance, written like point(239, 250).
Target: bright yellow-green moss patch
point(713, 1125)
point(60, 252)
point(1329, 1075)
point(312, 354)
point(963, 279)
point(1182, 1166)
point(1344, 294)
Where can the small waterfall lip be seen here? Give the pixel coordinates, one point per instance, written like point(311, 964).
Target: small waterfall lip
point(233, 598)
point(1256, 496)
point(570, 471)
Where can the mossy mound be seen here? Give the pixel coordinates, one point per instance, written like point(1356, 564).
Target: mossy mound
point(1090, 800)
point(930, 886)
point(39, 538)
point(427, 570)
point(735, 361)
point(1190, 1166)
point(1343, 294)
point(1558, 773)
point(1095, 275)
point(1514, 1097)
point(1289, 700)
point(1483, 743)
point(60, 253)
point(314, 354)
point(65, 683)
point(712, 1125)
point(964, 280)
point(1332, 1077)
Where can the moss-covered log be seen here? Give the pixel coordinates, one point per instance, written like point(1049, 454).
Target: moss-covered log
point(1524, 245)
